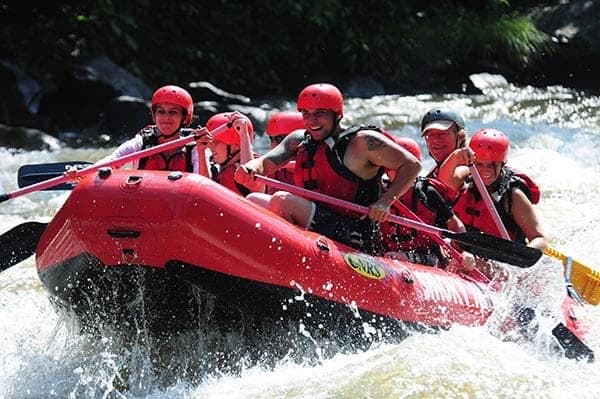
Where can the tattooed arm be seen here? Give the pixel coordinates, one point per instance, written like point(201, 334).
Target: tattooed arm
point(269, 162)
point(375, 150)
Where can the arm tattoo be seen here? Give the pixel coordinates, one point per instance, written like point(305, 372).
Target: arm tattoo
point(374, 143)
point(286, 151)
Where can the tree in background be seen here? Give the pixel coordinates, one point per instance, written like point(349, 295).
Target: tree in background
point(275, 47)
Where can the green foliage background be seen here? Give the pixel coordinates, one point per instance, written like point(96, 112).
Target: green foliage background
point(274, 46)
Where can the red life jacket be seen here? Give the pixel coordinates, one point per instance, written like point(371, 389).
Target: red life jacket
point(449, 194)
point(473, 212)
point(320, 167)
point(284, 174)
point(180, 160)
point(225, 178)
point(420, 200)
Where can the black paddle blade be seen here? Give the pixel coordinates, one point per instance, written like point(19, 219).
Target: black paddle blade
point(573, 346)
point(19, 243)
point(35, 173)
point(496, 248)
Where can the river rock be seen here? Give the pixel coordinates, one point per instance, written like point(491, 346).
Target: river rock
point(125, 116)
point(574, 27)
point(27, 139)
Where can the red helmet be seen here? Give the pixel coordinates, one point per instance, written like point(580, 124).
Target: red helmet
point(321, 95)
point(175, 95)
point(284, 122)
point(490, 145)
point(228, 136)
point(409, 145)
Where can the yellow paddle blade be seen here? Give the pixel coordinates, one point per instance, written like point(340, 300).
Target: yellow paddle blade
point(585, 279)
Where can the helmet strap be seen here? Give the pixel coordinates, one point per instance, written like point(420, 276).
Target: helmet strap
point(498, 168)
point(335, 127)
point(499, 171)
point(231, 155)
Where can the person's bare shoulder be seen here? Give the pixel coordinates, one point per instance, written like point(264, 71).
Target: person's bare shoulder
point(371, 140)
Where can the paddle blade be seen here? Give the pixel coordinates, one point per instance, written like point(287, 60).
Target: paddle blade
point(573, 346)
point(19, 243)
point(496, 248)
point(28, 175)
point(584, 278)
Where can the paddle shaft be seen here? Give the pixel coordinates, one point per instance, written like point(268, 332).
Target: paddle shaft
point(111, 163)
point(488, 202)
point(436, 237)
point(484, 245)
point(347, 205)
point(474, 273)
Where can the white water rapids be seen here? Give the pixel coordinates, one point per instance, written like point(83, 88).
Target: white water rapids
point(555, 135)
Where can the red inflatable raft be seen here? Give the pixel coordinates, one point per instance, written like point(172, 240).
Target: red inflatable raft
point(125, 238)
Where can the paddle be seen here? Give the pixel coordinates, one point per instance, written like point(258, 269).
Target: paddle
point(488, 201)
point(585, 279)
point(28, 175)
point(484, 245)
point(43, 185)
point(21, 241)
point(582, 281)
point(474, 274)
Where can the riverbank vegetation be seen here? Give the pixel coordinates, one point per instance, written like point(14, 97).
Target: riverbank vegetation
point(276, 46)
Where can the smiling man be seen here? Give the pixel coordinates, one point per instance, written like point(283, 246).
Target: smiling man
point(343, 163)
point(446, 138)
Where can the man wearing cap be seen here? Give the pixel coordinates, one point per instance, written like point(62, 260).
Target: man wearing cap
point(446, 138)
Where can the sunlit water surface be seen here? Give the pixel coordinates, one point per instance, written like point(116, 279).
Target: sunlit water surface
point(555, 137)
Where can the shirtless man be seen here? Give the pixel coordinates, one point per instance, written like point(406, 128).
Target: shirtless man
point(343, 163)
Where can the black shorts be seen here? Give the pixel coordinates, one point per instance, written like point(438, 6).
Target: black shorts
point(362, 234)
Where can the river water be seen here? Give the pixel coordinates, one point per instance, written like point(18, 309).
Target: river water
point(555, 138)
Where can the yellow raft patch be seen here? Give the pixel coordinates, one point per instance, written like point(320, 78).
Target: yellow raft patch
point(365, 266)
